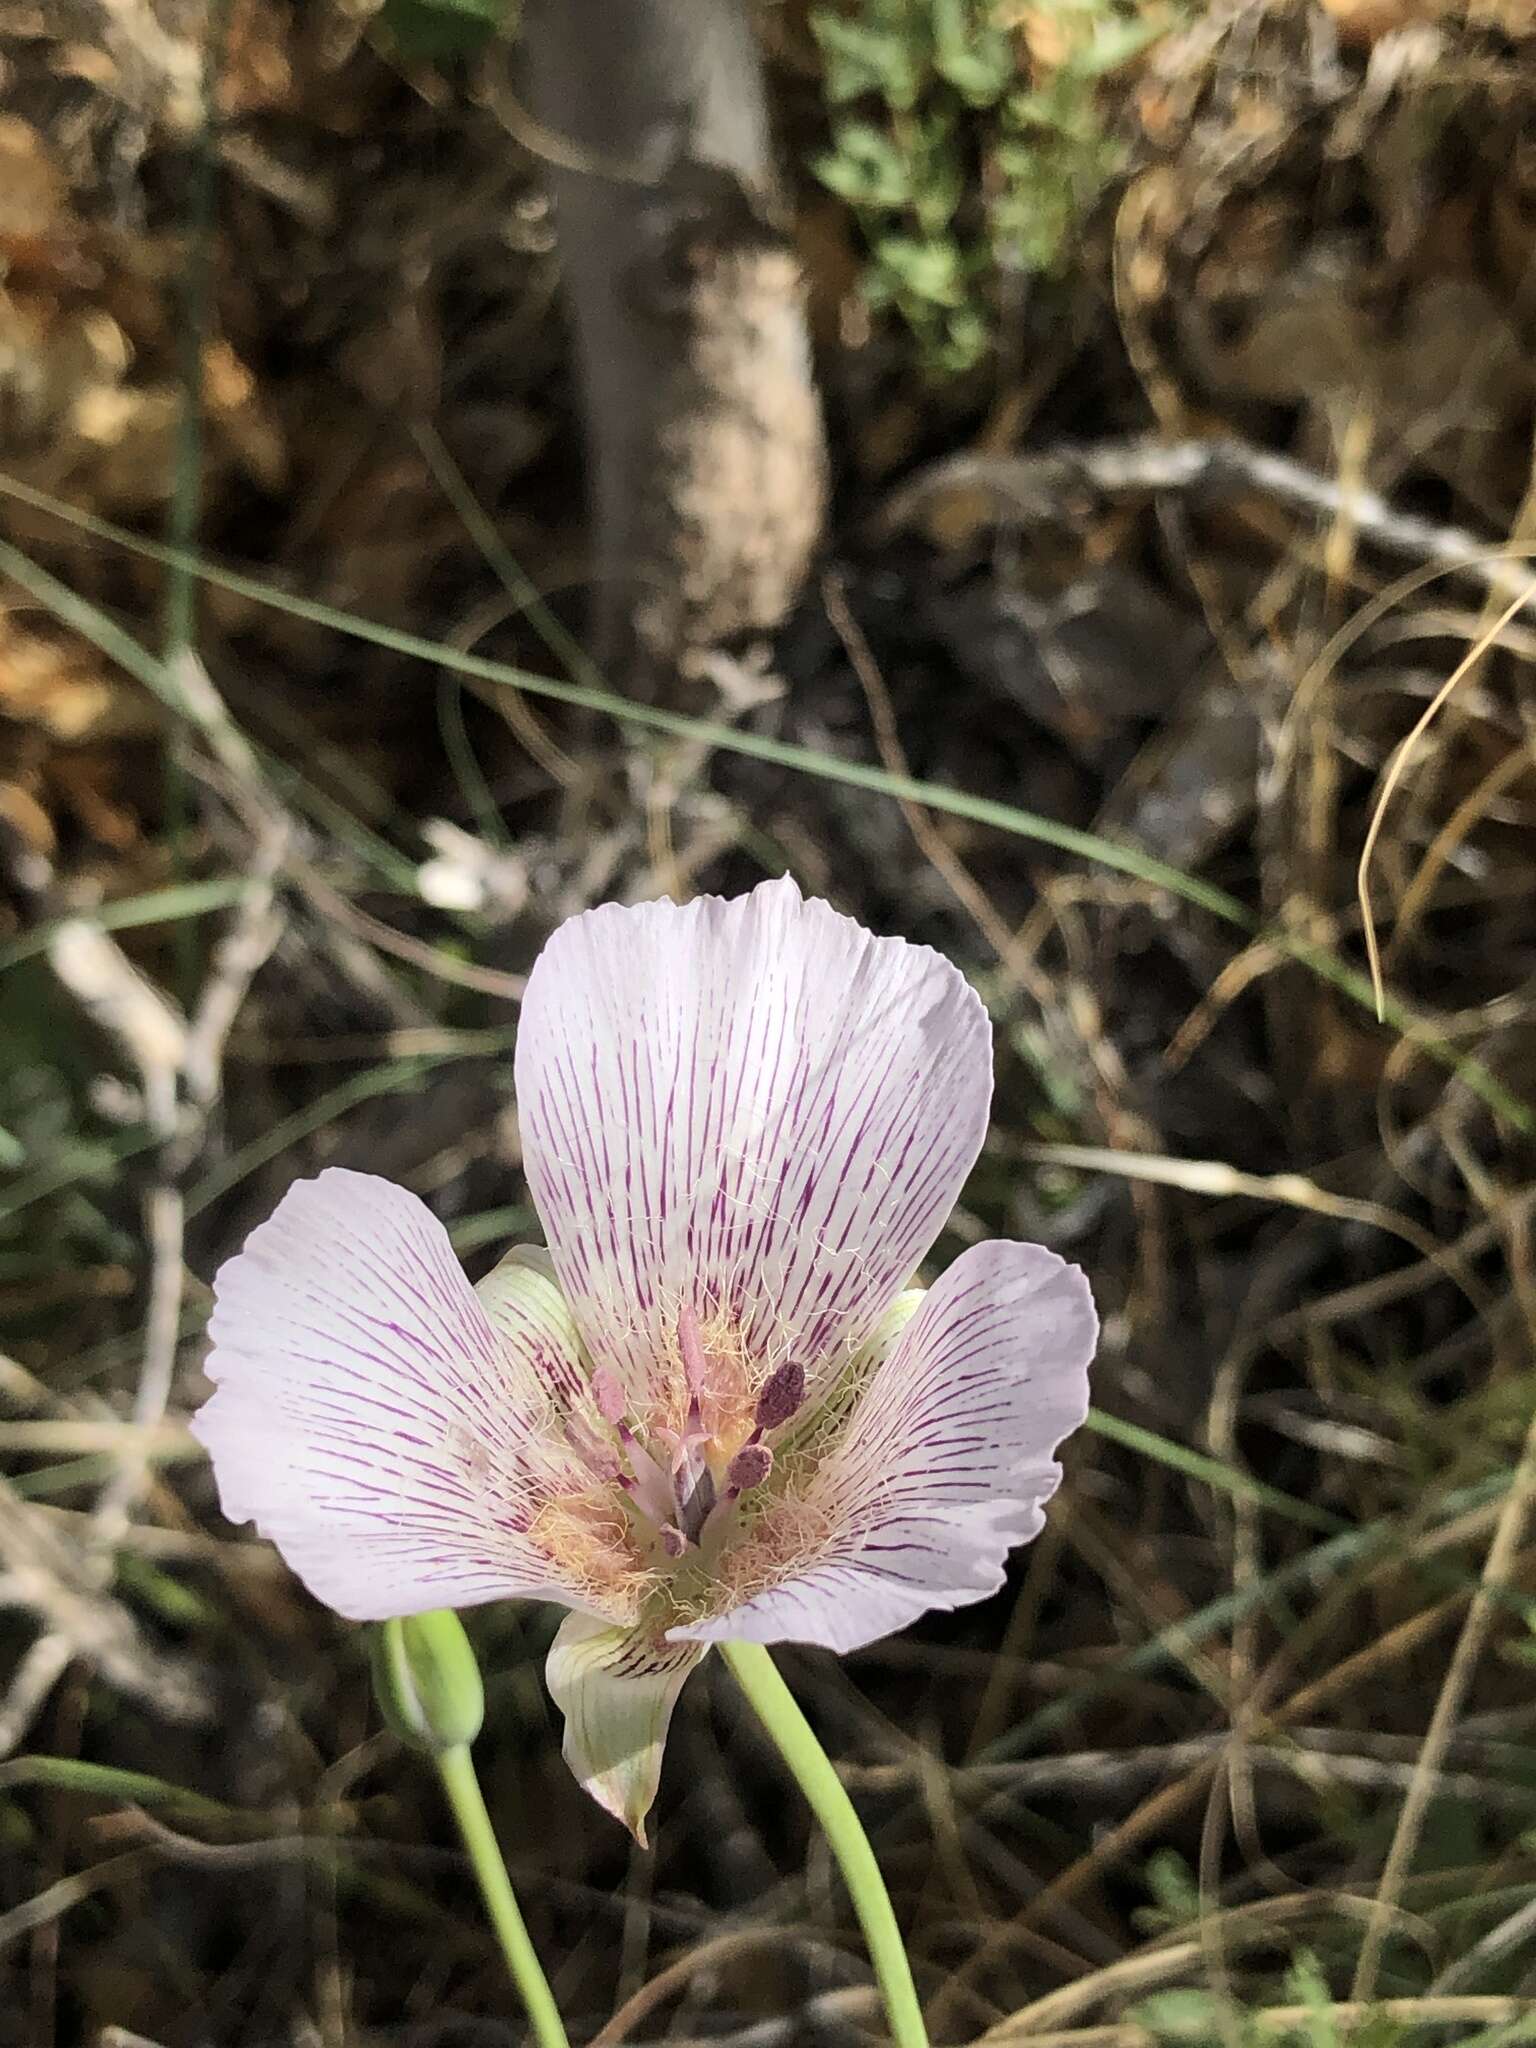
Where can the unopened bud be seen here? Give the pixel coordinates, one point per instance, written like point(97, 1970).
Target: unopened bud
point(426, 1680)
point(782, 1394)
point(750, 1467)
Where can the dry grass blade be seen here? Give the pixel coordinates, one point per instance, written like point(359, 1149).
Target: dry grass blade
point(1398, 767)
point(304, 753)
point(1470, 1644)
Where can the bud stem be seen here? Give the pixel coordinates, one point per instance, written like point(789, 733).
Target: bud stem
point(457, 1770)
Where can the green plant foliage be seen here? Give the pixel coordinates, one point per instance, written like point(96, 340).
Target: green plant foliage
point(965, 159)
point(436, 31)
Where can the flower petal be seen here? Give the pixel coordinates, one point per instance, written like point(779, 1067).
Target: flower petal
point(946, 1463)
point(368, 1417)
point(533, 1321)
point(616, 1688)
point(751, 1107)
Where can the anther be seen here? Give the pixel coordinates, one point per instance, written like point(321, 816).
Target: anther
point(608, 1395)
point(750, 1467)
point(673, 1541)
point(782, 1394)
point(691, 1345)
point(599, 1458)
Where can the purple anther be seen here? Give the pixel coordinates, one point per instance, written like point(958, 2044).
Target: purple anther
point(603, 1463)
point(781, 1396)
point(608, 1395)
point(750, 1467)
point(673, 1541)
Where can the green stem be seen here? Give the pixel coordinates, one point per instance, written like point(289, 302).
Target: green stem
point(774, 1704)
point(463, 1789)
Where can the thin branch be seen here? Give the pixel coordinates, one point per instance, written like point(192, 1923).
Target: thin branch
point(1054, 484)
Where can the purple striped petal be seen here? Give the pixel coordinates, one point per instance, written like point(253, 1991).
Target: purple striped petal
point(368, 1417)
point(752, 1108)
point(946, 1463)
point(616, 1688)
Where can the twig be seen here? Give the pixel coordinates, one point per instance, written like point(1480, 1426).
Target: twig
point(237, 959)
point(1486, 1602)
point(179, 1125)
point(708, 1955)
point(847, 2014)
point(1398, 766)
point(1318, 1755)
point(58, 1581)
point(1039, 486)
point(57, 1899)
point(117, 998)
point(43, 1664)
point(178, 1066)
point(940, 854)
point(1280, 2020)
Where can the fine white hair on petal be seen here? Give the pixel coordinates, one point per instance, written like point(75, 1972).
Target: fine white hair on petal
point(947, 1461)
point(368, 1418)
point(751, 1107)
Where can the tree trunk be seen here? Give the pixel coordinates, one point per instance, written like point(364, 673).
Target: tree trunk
point(705, 452)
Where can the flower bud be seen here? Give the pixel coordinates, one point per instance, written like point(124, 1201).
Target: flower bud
point(426, 1680)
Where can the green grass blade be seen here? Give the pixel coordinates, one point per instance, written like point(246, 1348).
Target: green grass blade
point(1323, 1562)
point(105, 1781)
point(1011, 818)
point(1212, 1472)
point(128, 913)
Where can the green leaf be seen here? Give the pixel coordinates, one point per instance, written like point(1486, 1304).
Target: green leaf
point(969, 54)
point(865, 167)
point(104, 1781)
point(859, 59)
point(1186, 2014)
point(1113, 43)
point(440, 30)
point(930, 270)
point(1306, 1985)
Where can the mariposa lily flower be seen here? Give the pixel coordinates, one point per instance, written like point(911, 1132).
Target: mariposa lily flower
point(714, 1407)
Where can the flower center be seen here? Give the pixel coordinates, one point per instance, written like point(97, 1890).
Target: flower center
point(683, 1483)
point(674, 1473)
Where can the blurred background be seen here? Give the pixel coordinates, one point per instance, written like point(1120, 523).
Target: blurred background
point(1056, 477)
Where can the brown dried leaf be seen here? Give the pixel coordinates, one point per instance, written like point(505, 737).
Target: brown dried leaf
point(64, 689)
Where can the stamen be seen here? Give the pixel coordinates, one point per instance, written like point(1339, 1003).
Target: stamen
point(691, 1345)
point(782, 1394)
point(673, 1541)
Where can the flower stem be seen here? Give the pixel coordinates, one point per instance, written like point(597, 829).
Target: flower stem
point(774, 1704)
point(457, 1770)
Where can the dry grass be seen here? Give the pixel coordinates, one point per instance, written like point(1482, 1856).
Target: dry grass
point(1247, 1750)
